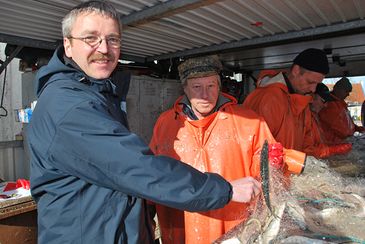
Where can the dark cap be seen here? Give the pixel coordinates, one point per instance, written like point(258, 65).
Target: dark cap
point(199, 67)
point(323, 91)
point(343, 84)
point(314, 60)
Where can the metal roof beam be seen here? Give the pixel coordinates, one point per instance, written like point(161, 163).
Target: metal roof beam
point(133, 58)
point(8, 60)
point(27, 42)
point(312, 33)
point(162, 10)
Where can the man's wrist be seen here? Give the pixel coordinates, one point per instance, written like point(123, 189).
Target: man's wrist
point(230, 192)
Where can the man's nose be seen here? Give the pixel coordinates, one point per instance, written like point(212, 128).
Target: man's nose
point(103, 46)
point(205, 92)
point(313, 88)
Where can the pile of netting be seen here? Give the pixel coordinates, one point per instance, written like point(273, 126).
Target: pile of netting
point(352, 164)
point(325, 204)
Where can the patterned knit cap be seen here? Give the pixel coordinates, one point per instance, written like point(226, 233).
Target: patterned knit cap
point(199, 67)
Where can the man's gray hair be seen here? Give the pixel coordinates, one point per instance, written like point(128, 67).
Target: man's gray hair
point(185, 82)
point(100, 7)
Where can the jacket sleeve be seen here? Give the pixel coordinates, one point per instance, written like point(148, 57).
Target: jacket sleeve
point(319, 151)
point(272, 105)
point(325, 151)
point(293, 159)
point(91, 145)
point(313, 142)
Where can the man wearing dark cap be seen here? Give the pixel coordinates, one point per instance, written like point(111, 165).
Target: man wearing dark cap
point(315, 144)
point(335, 119)
point(283, 99)
point(208, 130)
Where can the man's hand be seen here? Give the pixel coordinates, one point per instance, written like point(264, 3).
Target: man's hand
point(245, 189)
point(360, 129)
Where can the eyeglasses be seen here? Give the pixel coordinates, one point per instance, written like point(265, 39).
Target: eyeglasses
point(95, 41)
point(323, 100)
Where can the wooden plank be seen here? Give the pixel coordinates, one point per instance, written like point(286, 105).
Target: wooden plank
point(11, 144)
point(17, 206)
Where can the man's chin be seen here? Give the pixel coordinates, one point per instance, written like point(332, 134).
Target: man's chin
point(100, 74)
point(205, 112)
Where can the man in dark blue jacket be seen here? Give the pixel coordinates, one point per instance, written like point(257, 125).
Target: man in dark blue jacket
point(89, 173)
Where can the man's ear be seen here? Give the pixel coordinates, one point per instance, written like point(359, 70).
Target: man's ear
point(67, 45)
point(296, 70)
point(184, 88)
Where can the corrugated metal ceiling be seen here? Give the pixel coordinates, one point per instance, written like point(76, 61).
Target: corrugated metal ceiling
point(162, 29)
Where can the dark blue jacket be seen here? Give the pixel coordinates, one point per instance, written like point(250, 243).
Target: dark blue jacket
point(90, 174)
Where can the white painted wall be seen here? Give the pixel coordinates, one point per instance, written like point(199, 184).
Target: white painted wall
point(147, 99)
point(12, 99)
point(13, 163)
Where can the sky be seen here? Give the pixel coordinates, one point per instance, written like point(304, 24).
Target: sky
point(353, 79)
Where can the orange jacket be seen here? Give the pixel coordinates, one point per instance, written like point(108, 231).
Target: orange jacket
point(286, 114)
point(227, 142)
point(314, 144)
point(336, 122)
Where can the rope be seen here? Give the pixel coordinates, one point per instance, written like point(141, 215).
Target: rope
point(339, 238)
point(2, 97)
point(316, 201)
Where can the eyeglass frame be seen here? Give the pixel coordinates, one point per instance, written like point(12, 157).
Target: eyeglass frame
point(100, 40)
point(323, 100)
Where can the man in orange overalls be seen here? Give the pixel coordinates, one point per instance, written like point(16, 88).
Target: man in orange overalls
point(335, 118)
point(283, 99)
point(208, 130)
point(315, 144)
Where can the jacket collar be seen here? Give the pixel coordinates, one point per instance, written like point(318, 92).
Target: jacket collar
point(298, 102)
point(288, 84)
point(102, 86)
point(338, 100)
point(281, 78)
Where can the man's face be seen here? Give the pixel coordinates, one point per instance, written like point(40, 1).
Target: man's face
point(317, 104)
point(100, 61)
point(203, 94)
point(342, 93)
point(304, 82)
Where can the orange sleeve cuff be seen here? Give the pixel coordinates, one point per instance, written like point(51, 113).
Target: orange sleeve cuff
point(294, 160)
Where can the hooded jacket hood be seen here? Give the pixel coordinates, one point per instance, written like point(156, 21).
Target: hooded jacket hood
point(57, 66)
point(268, 80)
